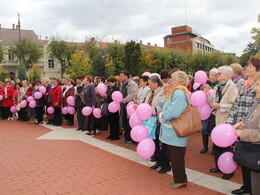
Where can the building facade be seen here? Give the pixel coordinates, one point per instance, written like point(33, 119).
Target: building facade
point(184, 37)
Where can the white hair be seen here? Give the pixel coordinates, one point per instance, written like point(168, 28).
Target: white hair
point(155, 74)
point(227, 70)
point(213, 70)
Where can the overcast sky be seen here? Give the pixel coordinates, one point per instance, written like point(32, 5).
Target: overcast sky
point(225, 23)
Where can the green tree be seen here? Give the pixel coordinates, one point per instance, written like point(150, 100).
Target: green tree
point(249, 51)
point(132, 58)
point(149, 63)
point(79, 64)
point(1, 52)
point(62, 51)
point(22, 72)
point(35, 72)
point(29, 52)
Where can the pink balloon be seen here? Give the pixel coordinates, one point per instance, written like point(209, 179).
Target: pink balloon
point(113, 107)
point(30, 98)
point(117, 97)
point(1, 97)
point(195, 86)
point(23, 104)
point(144, 111)
point(130, 110)
point(201, 77)
point(139, 133)
point(146, 148)
point(223, 135)
point(42, 89)
point(198, 98)
point(71, 110)
point(37, 95)
point(226, 164)
point(129, 104)
point(86, 111)
point(134, 120)
point(13, 109)
point(32, 104)
point(101, 88)
point(65, 110)
point(101, 106)
point(71, 101)
point(211, 92)
point(97, 113)
point(204, 111)
point(146, 74)
point(50, 110)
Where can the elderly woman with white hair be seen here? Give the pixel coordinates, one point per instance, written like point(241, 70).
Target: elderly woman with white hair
point(225, 94)
point(174, 105)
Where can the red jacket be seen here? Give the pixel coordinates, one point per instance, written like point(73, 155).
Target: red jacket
point(8, 102)
point(55, 94)
point(70, 92)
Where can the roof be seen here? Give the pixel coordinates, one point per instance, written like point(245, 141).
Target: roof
point(10, 36)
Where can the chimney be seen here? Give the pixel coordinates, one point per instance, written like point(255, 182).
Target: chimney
point(141, 42)
point(13, 26)
point(149, 44)
point(155, 45)
point(46, 38)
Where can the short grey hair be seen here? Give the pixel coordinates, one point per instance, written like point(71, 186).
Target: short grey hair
point(181, 76)
point(213, 70)
point(227, 70)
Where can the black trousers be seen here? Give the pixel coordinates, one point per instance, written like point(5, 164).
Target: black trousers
point(23, 114)
point(246, 178)
point(6, 112)
point(81, 118)
point(219, 151)
point(57, 116)
point(39, 113)
point(126, 126)
point(113, 121)
point(70, 118)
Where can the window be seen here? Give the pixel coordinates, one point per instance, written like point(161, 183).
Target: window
point(51, 63)
point(10, 55)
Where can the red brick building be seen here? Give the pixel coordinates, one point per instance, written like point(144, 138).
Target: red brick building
point(183, 37)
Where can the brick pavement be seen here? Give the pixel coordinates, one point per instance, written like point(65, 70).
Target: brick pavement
point(32, 166)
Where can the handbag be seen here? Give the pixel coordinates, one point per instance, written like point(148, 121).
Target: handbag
point(151, 125)
point(189, 121)
point(248, 155)
point(104, 110)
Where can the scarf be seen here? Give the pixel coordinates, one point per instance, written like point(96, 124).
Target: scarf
point(67, 88)
point(237, 78)
point(248, 84)
point(169, 92)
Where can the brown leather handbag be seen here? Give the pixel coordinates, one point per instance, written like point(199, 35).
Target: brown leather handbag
point(189, 121)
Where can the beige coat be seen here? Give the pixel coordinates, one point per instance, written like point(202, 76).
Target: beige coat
point(230, 93)
point(132, 88)
point(252, 132)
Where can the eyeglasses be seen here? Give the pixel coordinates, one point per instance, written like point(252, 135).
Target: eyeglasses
point(219, 73)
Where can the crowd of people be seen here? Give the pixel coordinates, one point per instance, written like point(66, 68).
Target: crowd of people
point(236, 93)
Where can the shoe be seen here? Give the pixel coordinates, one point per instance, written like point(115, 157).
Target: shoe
point(123, 141)
point(84, 130)
point(152, 159)
point(155, 166)
point(112, 139)
point(78, 129)
point(178, 185)
point(163, 171)
point(130, 144)
point(108, 137)
point(93, 133)
point(214, 170)
point(71, 124)
point(228, 176)
point(240, 191)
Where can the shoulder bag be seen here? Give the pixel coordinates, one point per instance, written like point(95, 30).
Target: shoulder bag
point(189, 121)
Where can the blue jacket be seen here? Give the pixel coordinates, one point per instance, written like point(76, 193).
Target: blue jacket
point(173, 108)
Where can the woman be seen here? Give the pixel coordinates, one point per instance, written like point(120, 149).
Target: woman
point(78, 103)
point(88, 98)
point(8, 101)
point(18, 99)
point(70, 91)
point(55, 96)
point(1, 101)
point(173, 107)
point(39, 103)
point(143, 90)
point(113, 119)
point(241, 109)
point(161, 156)
point(225, 94)
point(23, 111)
point(30, 111)
point(249, 131)
point(237, 76)
point(47, 84)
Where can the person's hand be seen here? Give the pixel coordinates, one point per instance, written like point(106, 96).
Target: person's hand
point(215, 105)
point(135, 95)
point(93, 107)
point(239, 125)
point(104, 95)
point(135, 106)
point(56, 104)
point(238, 132)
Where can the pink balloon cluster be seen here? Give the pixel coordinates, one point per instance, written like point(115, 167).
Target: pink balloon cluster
point(23, 104)
point(71, 110)
point(37, 95)
point(139, 133)
point(42, 89)
point(30, 98)
point(13, 109)
point(226, 164)
point(71, 100)
point(32, 104)
point(65, 110)
point(97, 113)
point(50, 110)
point(201, 77)
point(113, 107)
point(223, 135)
point(146, 148)
point(144, 111)
point(117, 97)
point(134, 120)
point(86, 111)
